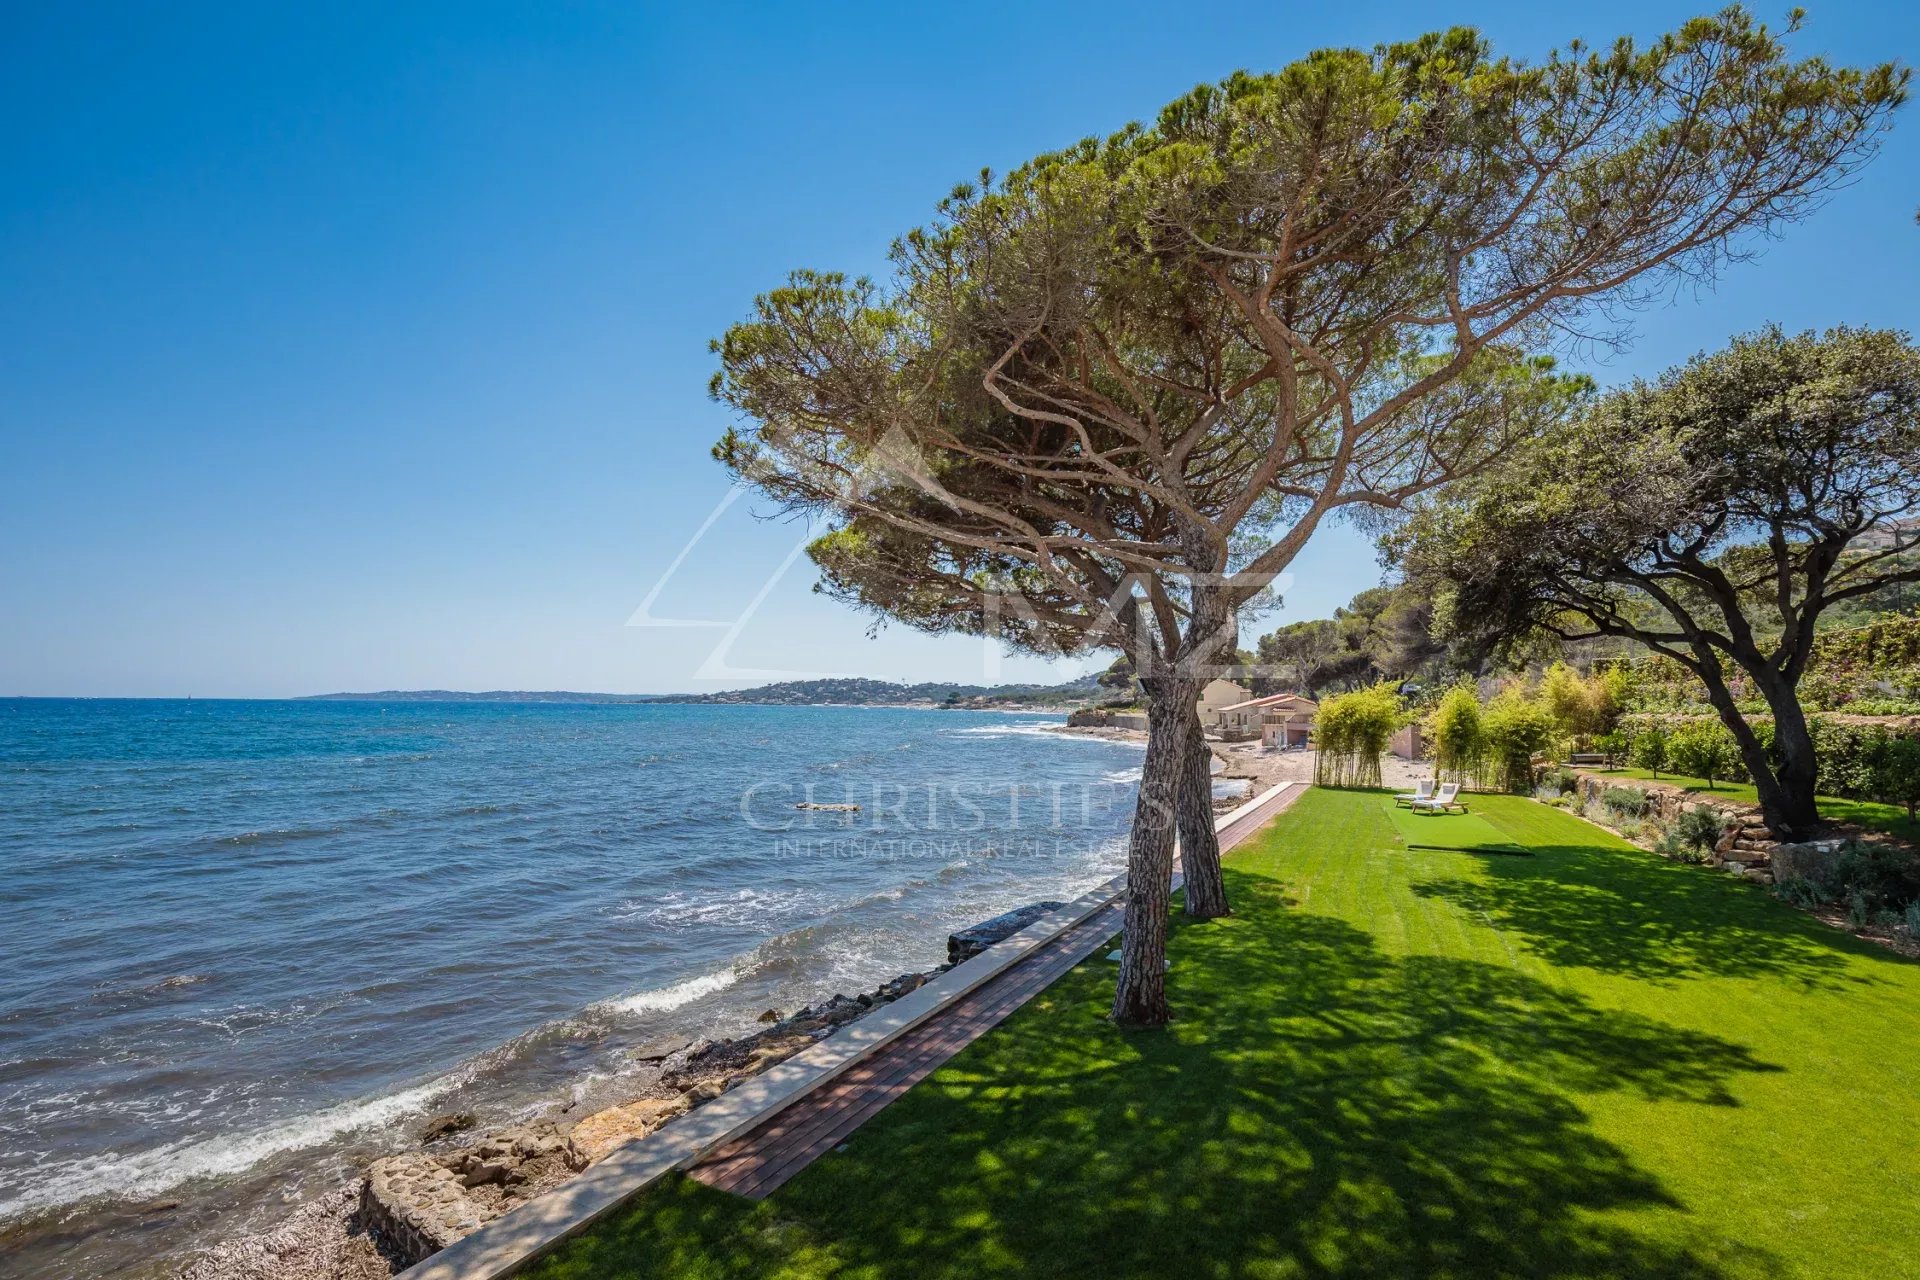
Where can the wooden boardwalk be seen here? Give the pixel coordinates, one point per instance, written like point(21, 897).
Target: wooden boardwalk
point(762, 1159)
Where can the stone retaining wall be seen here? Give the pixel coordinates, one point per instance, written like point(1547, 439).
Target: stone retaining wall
point(1745, 846)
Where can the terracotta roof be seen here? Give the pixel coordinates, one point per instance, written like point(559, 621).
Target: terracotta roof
point(1271, 699)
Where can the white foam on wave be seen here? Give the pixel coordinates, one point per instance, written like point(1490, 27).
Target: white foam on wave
point(1038, 729)
point(661, 999)
point(749, 906)
point(145, 1174)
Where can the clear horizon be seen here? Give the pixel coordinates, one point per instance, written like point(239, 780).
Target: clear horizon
point(365, 349)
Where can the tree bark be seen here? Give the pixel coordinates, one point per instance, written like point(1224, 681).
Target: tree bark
point(1206, 889)
point(1140, 996)
point(1789, 806)
point(1785, 793)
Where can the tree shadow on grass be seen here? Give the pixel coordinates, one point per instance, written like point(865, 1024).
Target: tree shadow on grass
point(1320, 1109)
point(1625, 912)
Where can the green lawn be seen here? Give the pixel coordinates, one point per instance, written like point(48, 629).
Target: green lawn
point(1504, 1044)
point(1871, 814)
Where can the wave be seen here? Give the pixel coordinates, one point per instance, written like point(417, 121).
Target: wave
point(145, 1174)
point(675, 910)
point(279, 836)
point(1039, 729)
point(661, 999)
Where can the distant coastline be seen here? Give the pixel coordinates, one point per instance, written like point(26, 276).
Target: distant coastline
point(833, 692)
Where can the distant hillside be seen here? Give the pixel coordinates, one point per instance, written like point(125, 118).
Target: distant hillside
point(493, 695)
point(838, 692)
point(883, 693)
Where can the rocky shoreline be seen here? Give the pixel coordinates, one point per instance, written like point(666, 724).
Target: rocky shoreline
point(413, 1203)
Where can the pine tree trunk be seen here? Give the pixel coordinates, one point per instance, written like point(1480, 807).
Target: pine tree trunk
point(1140, 997)
point(1206, 889)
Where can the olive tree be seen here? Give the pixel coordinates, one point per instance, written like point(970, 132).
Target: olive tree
point(1712, 515)
point(1146, 369)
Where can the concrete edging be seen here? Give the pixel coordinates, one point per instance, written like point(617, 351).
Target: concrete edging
point(516, 1238)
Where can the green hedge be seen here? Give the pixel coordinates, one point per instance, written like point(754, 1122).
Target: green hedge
point(1854, 761)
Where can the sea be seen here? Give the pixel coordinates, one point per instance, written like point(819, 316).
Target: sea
point(246, 946)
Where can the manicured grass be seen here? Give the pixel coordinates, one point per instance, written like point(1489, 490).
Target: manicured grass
point(1871, 814)
point(1398, 1058)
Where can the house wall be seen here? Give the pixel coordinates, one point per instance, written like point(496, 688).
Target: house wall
point(1220, 693)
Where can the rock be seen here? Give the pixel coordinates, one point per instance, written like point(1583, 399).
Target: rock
point(685, 1056)
point(778, 1049)
point(442, 1125)
point(596, 1136)
point(661, 1050)
point(500, 1171)
point(970, 942)
point(1812, 861)
point(770, 1015)
point(905, 984)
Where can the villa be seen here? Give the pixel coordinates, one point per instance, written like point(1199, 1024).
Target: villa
point(1278, 720)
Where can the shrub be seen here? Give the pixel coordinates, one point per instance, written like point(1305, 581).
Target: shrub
point(1674, 845)
point(1459, 739)
point(1859, 910)
point(1650, 751)
point(1517, 729)
point(1560, 781)
point(1800, 892)
point(1625, 802)
point(1913, 918)
point(1871, 879)
point(1899, 780)
point(1880, 876)
point(1351, 732)
point(1702, 750)
point(1699, 828)
point(1850, 758)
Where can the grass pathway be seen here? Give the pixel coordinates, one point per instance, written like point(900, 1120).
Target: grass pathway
point(1504, 1043)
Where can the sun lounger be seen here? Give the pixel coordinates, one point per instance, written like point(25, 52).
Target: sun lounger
point(1421, 791)
point(1448, 797)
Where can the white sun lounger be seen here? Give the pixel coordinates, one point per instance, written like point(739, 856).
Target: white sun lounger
point(1448, 797)
point(1421, 791)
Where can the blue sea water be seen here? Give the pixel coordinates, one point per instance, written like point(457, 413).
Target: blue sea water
point(248, 944)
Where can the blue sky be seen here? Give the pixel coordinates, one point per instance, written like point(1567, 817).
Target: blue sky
point(364, 346)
